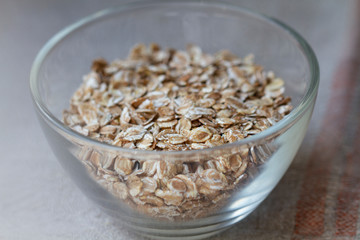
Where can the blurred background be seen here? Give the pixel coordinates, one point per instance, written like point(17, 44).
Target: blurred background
point(38, 200)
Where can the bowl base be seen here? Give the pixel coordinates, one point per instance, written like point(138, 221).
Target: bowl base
point(184, 233)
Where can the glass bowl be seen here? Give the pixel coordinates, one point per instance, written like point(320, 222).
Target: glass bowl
point(60, 65)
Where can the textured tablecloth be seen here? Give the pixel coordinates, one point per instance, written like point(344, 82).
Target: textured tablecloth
point(318, 198)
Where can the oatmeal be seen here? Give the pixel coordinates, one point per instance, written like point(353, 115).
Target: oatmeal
point(174, 100)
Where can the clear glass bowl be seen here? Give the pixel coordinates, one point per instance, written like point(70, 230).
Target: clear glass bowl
point(60, 65)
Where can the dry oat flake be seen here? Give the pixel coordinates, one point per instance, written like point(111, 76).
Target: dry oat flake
point(174, 100)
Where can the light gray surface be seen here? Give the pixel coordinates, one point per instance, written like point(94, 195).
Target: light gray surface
point(38, 200)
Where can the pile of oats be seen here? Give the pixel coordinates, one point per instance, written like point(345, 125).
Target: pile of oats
point(173, 100)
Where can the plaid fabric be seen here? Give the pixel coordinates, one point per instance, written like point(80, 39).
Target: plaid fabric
point(332, 173)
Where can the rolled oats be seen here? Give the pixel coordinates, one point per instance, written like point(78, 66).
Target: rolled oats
point(171, 100)
point(123, 166)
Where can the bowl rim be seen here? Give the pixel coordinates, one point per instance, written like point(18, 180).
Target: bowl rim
point(290, 119)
